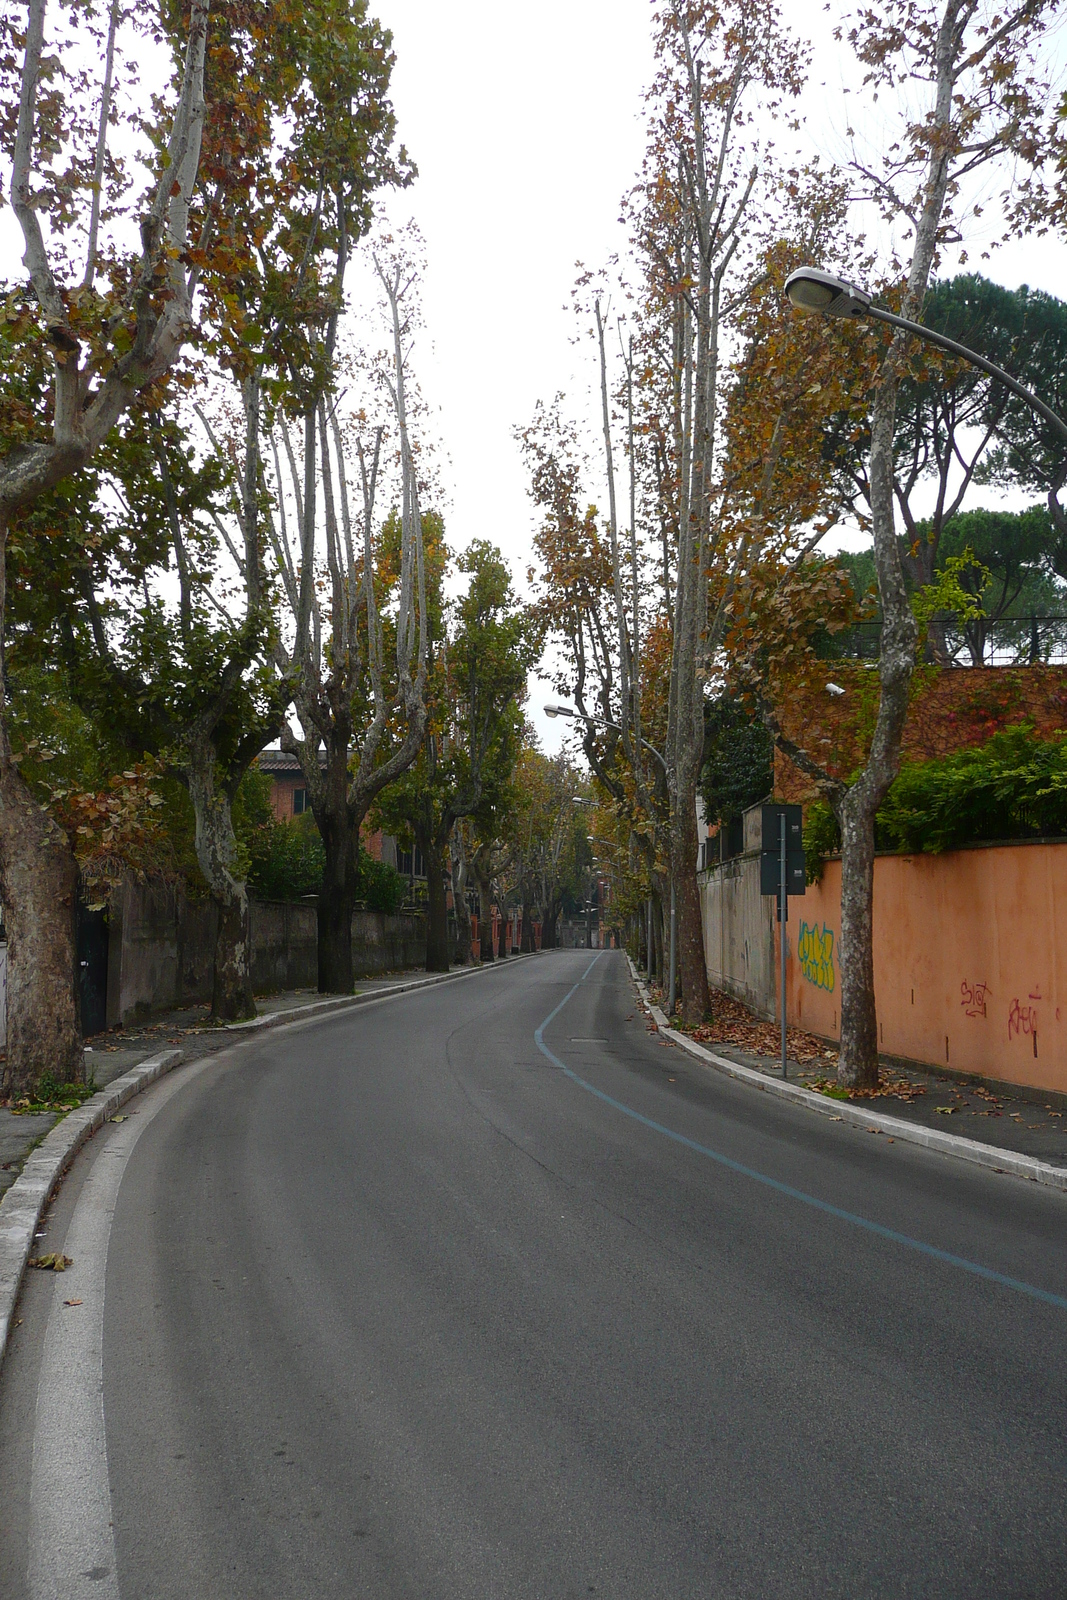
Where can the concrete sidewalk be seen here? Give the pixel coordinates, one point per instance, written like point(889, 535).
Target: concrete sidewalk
point(1024, 1121)
point(1020, 1132)
point(109, 1055)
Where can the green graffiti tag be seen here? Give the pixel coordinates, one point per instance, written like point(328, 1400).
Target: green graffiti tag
point(816, 952)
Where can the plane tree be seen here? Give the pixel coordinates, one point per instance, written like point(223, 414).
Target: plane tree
point(362, 604)
point(488, 643)
point(197, 225)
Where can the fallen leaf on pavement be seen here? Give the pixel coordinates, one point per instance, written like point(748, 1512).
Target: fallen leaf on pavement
point(947, 1111)
point(119, 1119)
point(56, 1261)
point(72, 1302)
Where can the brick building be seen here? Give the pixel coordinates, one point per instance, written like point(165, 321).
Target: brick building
point(289, 798)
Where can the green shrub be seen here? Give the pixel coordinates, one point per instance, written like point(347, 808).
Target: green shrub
point(822, 838)
point(1012, 787)
point(286, 859)
point(382, 887)
point(737, 769)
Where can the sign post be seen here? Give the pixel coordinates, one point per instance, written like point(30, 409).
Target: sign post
point(782, 874)
point(783, 912)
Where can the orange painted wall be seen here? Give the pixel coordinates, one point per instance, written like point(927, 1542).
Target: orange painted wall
point(970, 960)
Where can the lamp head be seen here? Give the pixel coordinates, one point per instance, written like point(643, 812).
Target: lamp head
point(558, 711)
point(808, 289)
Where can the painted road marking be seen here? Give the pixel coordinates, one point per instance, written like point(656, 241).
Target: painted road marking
point(877, 1228)
point(72, 1544)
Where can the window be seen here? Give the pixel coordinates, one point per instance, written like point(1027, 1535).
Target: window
point(410, 863)
point(300, 800)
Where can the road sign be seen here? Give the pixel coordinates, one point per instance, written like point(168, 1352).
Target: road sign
point(770, 873)
point(782, 874)
point(771, 847)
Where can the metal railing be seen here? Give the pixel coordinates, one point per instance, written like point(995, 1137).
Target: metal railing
point(1005, 642)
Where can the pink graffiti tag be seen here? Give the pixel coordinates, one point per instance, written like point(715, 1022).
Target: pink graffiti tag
point(1021, 1019)
point(974, 998)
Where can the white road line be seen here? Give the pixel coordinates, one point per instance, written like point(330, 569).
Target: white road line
point(72, 1544)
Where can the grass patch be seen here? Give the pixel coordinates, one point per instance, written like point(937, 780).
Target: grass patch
point(48, 1095)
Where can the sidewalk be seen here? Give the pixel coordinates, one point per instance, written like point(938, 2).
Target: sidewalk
point(109, 1055)
point(969, 1110)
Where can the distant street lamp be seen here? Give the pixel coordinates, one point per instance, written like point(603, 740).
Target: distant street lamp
point(811, 290)
point(584, 716)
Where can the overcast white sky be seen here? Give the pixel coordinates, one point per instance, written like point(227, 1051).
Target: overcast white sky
point(526, 125)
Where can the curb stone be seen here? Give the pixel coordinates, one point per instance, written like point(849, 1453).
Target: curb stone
point(23, 1205)
point(949, 1144)
point(342, 1002)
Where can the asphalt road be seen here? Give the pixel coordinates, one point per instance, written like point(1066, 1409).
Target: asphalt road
point(420, 1303)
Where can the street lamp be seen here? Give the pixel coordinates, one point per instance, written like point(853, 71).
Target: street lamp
point(811, 290)
point(584, 716)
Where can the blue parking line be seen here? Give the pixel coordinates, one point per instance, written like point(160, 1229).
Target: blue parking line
point(881, 1232)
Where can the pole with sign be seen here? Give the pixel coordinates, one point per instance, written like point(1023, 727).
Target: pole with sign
point(782, 874)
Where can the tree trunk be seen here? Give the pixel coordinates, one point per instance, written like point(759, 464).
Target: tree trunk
point(503, 935)
point(231, 993)
point(548, 925)
point(437, 918)
point(216, 851)
point(526, 942)
point(337, 898)
point(857, 1064)
point(859, 1020)
point(462, 909)
point(39, 893)
point(696, 999)
point(39, 888)
point(334, 931)
point(485, 919)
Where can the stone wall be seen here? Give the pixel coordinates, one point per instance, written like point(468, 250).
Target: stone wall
point(740, 925)
point(161, 948)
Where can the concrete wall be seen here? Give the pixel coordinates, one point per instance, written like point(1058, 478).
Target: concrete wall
point(739, 926)
point(161, 948)
point(970, 955)
point(970, 960)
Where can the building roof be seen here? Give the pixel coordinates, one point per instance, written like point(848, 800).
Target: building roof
point(281, 764)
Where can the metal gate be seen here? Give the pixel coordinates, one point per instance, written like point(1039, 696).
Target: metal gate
point(92, 969)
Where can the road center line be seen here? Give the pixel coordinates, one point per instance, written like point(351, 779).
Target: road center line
point(72, 1543)
point(881, 1232)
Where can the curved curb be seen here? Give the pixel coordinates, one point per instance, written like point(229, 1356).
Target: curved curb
point(343, 1002)
point(24, 1203)
point(992, 1157)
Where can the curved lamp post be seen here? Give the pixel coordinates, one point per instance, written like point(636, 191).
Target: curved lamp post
point(584, 716)
point(812, 290)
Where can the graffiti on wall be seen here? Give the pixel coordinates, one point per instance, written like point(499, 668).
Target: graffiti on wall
point(1022, 1019)
point(815, 951)
point(974, 998)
